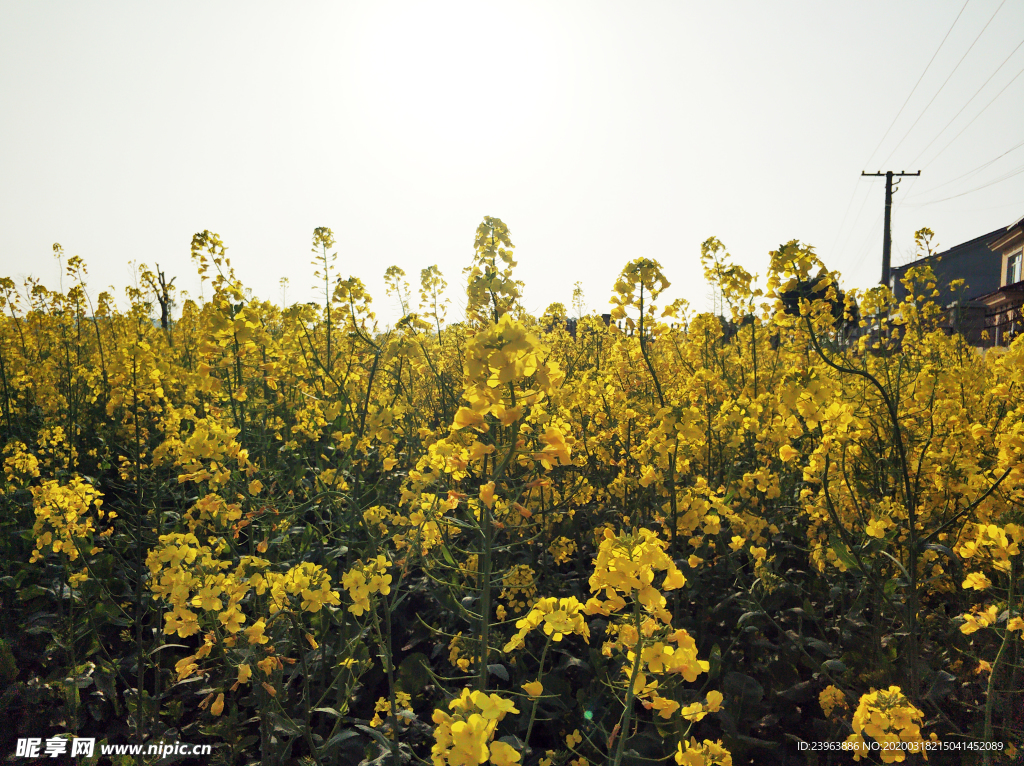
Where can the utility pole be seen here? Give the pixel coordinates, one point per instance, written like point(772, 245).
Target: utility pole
point(887, 237)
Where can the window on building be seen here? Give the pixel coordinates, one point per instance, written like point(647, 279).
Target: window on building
point(1013, 265)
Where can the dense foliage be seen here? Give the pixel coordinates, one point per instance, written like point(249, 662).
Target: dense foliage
point(668, 537)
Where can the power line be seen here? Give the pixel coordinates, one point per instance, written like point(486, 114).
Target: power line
point(853, 194)
point(843, 223)
point(888, 208)
point(912, 90)
point(965, 127)
point(979, 90)
point(1004, 177)
point(1019, 205)
point(902, 200)
point(968, 173)
point(860, 212)
point(886, 160)
point(865, 245)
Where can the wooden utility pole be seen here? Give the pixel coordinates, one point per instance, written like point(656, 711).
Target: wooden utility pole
point(887, 237)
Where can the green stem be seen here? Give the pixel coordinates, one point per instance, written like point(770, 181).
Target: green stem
point(72, 692)
point(306, 731)
point(991, 694)
point(627, 713)
point(540, 673)
point(487, 533)
point(385, 642)
point(140, 616)
point(485, 594)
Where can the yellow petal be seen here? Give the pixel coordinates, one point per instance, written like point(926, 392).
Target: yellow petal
point(534, 688)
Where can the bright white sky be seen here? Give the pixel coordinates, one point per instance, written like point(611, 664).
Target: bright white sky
point(597, 131)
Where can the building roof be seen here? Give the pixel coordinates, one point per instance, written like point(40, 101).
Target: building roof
point(974, 261)
point(1005, 294)
point(971, 244)
point(1008, 234)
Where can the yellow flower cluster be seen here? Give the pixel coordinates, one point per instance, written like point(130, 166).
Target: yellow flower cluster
point(642, 273)
point(697, 711)
point(976, 620)
point(519, 587)
point(207, 454)
point(363, 580)
point(626, 564)
point(707, 753)
point(456, 647)
point(186, 573)
point(20, 466)
point(490, 288)
point(188, 666)
point(626, 568)
point(65, 521)
point(659, 657)
point(423, 522)
point(831, 698)
point(383, 705)
point(464, 738)
point(376, 519)
point(888, 718)
point(562, 549)
point(976, 581)
point(307, 583)
point(498, 355)
point(558, 617)
point(999, 543)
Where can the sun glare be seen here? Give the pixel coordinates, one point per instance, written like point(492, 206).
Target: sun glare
point(463, 78)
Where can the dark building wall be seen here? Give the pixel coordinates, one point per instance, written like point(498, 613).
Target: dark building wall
point(974, 262)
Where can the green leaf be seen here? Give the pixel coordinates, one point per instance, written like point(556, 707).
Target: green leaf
point(498, 670)
point(282, 724)
point(898, 563)
point(744, 687)
point(447, 555)
point(337, 739)
point(821, 646)
point(835, 667)
point(746, 617)
point(715, 661)
point(958, 570)
point(942, 685)
point(842, 552)
point(891, 585)
point(168, 646)
point(413, 671)
point(329, 710)
point(800, 692)
point(755, 742)
point(379, 738)
point(33, 591)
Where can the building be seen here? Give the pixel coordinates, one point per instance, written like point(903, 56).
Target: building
point(975, 262)
point(986, 310)
point(1004, 307)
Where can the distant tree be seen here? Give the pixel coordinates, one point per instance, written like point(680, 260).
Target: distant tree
point(162, 289)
